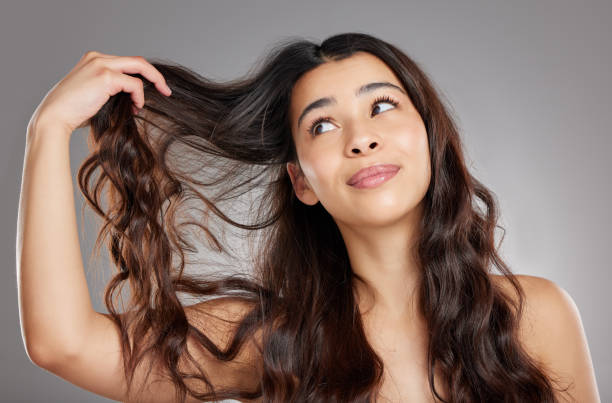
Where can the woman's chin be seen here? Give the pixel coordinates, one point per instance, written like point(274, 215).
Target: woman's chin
point(377, 217)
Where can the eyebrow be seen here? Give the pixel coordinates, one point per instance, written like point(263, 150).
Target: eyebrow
point(364, 89)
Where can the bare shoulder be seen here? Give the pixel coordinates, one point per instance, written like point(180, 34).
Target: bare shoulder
point(540, 295)
point(552, 332)
point(544, 303)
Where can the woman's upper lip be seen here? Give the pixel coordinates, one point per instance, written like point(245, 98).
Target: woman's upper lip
point(371, 170)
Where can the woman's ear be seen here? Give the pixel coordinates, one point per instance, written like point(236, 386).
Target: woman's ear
point(300, 185)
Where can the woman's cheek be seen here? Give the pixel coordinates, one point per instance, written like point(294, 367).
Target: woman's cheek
point(311, 173)
point(412, 137)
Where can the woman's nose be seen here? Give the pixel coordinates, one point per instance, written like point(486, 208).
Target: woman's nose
point(363, 147)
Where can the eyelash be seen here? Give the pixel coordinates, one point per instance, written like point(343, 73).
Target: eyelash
point(383, 98)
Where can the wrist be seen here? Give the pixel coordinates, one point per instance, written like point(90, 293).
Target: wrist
point(41, 128)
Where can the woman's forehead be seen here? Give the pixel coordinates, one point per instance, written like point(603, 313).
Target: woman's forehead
point(335, 78)
point(341, 74)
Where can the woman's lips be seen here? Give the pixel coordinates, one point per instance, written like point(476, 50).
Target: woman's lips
point(373, 176)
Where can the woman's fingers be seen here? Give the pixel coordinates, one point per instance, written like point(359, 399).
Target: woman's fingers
point(130, 84)
point(90, 83)
point(139, 65)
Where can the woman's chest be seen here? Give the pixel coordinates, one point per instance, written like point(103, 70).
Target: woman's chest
point(406, 377)
point(407, 381)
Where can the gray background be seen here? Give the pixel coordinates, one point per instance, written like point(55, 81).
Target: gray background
point(529, 83)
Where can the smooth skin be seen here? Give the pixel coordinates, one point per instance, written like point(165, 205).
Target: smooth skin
point(65, 335)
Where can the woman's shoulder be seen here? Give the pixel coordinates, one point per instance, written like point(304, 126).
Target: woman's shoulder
point(539, 292)
point(551, 331)
point(544, 303)
point(534, 287)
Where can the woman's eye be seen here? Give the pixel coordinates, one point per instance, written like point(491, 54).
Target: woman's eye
point(317, 123)
point(314, 128)
point(326, 119)
point(382, 103)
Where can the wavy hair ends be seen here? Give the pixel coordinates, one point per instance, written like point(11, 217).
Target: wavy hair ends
point(214, 142)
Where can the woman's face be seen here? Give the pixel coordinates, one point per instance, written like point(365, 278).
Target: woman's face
point(360, 131)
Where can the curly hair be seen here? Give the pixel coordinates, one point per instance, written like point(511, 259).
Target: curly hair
point(233, 139)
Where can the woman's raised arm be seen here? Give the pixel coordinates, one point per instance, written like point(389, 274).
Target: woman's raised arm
point(62, 332)
point(54, 302)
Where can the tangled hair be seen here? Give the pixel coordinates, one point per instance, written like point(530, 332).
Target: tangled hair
point(300, 285)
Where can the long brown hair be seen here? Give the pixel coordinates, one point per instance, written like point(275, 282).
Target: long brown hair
point(233, 139)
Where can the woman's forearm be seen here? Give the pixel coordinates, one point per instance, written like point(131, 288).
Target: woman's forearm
point(54, 300)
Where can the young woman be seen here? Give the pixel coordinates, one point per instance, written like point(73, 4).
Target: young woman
point(373, 279)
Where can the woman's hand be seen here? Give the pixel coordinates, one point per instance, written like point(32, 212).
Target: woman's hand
point(87, 87)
